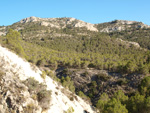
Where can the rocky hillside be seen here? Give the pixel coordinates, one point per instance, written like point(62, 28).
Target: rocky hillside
point(60, 22)
point(120, 25)
point(96, 82)
point(25, 89)
point(40, 29)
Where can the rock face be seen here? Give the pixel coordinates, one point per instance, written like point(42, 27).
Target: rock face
point(60, 22)
point(30, 19)
point(119, 25)
point(2, 30)
point(17, 96)
point(128, 43)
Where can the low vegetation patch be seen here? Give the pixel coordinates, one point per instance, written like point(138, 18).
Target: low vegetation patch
point(103, 76)
point(38, 91)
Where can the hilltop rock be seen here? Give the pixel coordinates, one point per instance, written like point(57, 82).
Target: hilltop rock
point(119, 25)
point(30, 19)
point(60, 22)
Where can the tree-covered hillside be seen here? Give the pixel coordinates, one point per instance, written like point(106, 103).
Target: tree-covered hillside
point(72, 49)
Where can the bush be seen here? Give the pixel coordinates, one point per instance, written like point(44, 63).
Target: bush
point(120, 96)
point(70, 110)
point(66, 82)
point(115, 106)
point(43, 75)
point(85, 74)
point(33, 85)
point(102, 102)
point(13, 40)
point(1, 74)
point(71, 98)
point(30, 108)
point(44, 97)
point(82, 95)
point(122, 81)
point(103, 76)
point(39, 92)
point(136, 104)
point(40, 62)
point(144, 87)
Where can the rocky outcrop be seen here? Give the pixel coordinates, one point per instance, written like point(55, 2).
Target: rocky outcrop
point(128, 43)
point(30, 19)
point(2, 33)
point(2, 30)
point(119, 25)
point(15, 96)
point(18, 96)
point(60, 22)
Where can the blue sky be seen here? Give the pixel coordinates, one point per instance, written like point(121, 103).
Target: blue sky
point(92, 11)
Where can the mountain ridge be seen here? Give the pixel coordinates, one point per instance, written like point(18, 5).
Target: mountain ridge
point(67, 22)
point(89, 26)
point(59, 22)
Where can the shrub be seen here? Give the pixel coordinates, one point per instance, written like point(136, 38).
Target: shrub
point(39, 92)
point(85, 74)
point(43, 75)
point(40, 62)
point(33, 85)
point(70, 110)
point(30, 108)
point(71, 98)
point(1, 74)
point(115, 106)
point(122, 81)
point(103, 76)
point(144, 87)
point(136, 104)
point(102, 102)
point(44, 97)
point(66, 82)
point(82, 95)
point(119, 95)
point(13, 40)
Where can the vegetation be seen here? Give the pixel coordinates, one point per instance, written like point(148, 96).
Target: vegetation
point(70, 110)
point(98, 52)
point(30, 108)
point(1, 74)
point(13, 41)
point(135, 35)
point(82, 49)
point(43, 75)
point(66, 82)
point(120, 103)
point(144, 87)
point(38, 91)
point(82, 95)
point(44, 98)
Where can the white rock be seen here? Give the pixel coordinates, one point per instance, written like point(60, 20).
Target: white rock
point(60, 22)
point(30, 19)
point(60, 102)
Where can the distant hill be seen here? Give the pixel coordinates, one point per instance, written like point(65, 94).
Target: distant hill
point(120, 25)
